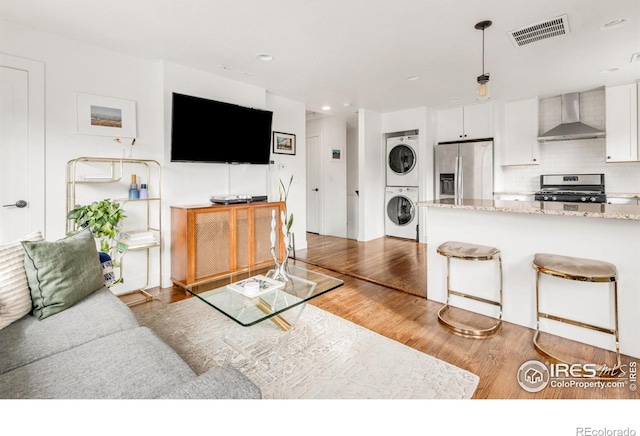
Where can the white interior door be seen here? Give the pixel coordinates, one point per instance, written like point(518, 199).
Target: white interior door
point(313, 184)
point(21, 148)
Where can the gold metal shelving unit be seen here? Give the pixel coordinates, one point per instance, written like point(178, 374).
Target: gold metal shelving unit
point(115, 169)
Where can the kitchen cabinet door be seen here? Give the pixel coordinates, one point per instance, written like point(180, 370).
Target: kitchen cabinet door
point(478, 121)
point(622, 122)
point(464, 123)
point(450, 124)
point(521, 145)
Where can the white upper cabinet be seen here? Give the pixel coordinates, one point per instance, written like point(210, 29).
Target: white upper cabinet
point(622, 122)
point(465, 122)
point(521, 146)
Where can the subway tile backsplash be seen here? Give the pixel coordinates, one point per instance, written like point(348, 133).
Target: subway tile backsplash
point(580, 157)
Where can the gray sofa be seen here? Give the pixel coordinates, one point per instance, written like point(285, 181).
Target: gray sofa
point(97, 349)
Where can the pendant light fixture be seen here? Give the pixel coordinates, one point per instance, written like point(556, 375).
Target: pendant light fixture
point(483, 80)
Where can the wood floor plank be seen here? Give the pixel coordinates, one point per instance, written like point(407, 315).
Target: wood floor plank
point(412, 320)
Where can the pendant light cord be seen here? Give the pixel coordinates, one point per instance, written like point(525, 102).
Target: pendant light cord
point(483, 51)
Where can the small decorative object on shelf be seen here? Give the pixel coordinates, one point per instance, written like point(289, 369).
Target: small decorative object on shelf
point(133, 188)
point(131, 240)
point(130, 148)
point(144, 193)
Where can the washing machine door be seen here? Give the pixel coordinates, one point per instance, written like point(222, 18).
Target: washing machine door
point(400, 210)
point(402, 159)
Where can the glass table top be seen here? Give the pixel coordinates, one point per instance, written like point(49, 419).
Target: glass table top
point(247, 311)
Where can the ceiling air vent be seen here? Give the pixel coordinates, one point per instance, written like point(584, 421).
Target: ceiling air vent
point(536, 32)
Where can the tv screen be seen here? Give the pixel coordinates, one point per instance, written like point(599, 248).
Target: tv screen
point(205, 130)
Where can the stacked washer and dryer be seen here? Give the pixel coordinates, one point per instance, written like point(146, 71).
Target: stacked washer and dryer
point(401, 213)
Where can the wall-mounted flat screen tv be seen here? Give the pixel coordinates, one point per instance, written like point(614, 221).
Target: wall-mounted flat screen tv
point(205, 130)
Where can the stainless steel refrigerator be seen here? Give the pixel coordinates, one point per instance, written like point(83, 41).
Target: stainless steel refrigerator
point(464, 170)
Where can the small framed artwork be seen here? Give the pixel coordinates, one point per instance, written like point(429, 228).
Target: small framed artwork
point(106, 116)
point(336, 154)
point(284, 143)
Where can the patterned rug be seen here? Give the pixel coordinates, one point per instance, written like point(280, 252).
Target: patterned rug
point(323, 357)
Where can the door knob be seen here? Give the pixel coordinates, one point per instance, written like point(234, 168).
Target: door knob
point(316, 190)
point(19, 203)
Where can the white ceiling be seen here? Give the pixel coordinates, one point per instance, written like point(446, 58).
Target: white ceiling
point(360, 52)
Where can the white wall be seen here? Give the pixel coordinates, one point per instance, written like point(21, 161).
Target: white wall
point(74, 67)
point(371, 175)
point(332, 133)
point(289, 117)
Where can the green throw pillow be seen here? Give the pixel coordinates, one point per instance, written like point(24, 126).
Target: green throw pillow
point(61, 273)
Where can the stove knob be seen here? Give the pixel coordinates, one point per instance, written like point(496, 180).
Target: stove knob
point(584, 199)
point(545, 198)
point(593, 199)
point(554, 198)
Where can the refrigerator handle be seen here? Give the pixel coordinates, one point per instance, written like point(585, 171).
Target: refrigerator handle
point(459, 182)
point(455, 179)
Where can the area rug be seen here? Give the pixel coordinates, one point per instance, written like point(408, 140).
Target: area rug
point(323, 357)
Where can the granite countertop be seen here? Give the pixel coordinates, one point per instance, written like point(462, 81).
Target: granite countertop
point(622, 195)
point(611, 211)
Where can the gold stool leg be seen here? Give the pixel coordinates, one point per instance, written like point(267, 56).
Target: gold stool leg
point(469, 332)
point(614, 332)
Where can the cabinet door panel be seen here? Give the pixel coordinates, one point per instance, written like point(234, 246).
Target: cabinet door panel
point(212, 241)
point(450, 127)
point(262, 233)
point(521, 145)
point(622, 123)
point(478, 121)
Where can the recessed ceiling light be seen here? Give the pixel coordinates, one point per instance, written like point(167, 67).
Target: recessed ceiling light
point(265, 57)
point(635, 58)
point(610, 70)
point(614, 24)
point(326, 108)
point(412, 78)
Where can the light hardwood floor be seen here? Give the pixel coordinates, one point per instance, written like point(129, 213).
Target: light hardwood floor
point(384, 279)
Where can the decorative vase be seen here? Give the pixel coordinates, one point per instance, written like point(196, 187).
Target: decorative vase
point(281, 269)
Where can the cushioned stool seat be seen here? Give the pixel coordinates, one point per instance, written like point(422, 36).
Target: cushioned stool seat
point(580, 269)
point(474, 252)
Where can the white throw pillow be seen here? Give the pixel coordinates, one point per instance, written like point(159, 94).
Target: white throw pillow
point(15, 297)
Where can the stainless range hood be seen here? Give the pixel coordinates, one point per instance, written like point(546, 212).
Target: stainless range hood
point(571, 127)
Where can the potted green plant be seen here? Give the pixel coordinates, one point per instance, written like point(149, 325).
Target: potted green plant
point(103, 218)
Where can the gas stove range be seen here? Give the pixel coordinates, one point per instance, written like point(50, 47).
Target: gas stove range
point(572, 188)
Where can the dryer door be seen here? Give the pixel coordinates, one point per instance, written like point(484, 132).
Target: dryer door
point(400, 210)
point(402, 159)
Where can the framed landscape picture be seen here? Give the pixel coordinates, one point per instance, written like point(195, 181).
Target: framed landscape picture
point(284, 143)
point(106, 116)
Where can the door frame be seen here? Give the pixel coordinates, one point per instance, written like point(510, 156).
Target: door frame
point(316, 156)
point(36, 101)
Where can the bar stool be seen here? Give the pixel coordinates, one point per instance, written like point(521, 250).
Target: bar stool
point(467, 251)
point(575, 268)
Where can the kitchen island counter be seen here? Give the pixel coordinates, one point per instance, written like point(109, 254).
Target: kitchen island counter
point(519, 229)
point(593, 210)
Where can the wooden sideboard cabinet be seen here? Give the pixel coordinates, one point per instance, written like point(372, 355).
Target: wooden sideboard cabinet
point(214, 240)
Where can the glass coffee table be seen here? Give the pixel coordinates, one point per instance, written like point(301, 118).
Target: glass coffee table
point(282, 306)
